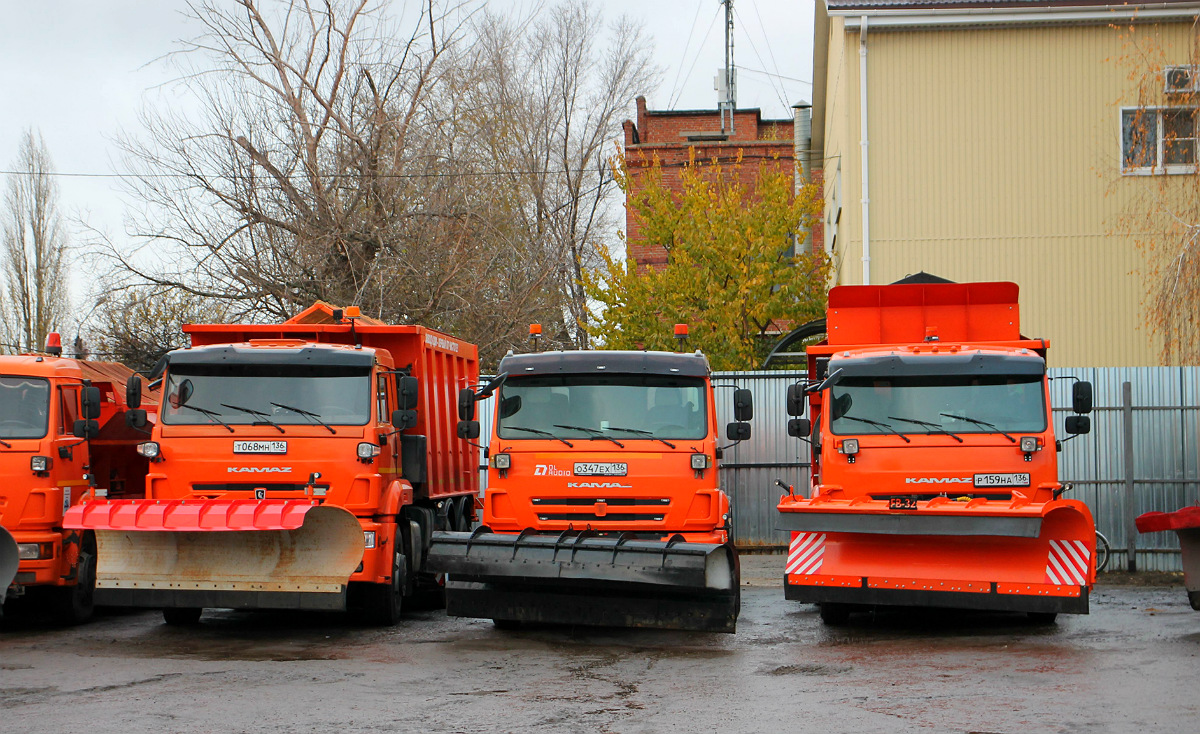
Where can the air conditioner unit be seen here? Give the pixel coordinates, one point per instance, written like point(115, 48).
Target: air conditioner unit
point(1181, 79)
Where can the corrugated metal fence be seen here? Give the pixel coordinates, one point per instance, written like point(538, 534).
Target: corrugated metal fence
point(1160, 414)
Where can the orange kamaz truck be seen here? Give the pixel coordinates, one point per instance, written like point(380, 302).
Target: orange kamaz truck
point(934, 460)
point(63, 434)
point(301, 465)
point(603, 504)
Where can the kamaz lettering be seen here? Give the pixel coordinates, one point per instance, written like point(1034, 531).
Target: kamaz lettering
point(258, 469)
point(937, 480)
point(598, 485)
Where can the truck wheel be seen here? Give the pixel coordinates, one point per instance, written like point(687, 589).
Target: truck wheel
point(834, 614)
point(507, 625)
point(75, 604)
point(182, 616)
point(1042, 617)
point(384, 602)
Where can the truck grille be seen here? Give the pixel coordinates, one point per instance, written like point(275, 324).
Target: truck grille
point(567, 509)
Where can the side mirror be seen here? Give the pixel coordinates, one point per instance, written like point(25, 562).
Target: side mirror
point(403, 419)
point(799, 427)
point(1081, 398)
point(91, 402)
point(1078, 424)
point(466, 404)
point(737, 431)
point(795, 400)
point(743, 405)
point(86, 429)
point(133, 391)
point(407, 392)
point(468, 429)
point(135, 418)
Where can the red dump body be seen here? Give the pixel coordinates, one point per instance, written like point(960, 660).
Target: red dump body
point(42, 401)
point(935, 475)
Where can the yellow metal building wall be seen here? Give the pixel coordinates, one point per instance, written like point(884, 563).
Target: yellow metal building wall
point(995, 155)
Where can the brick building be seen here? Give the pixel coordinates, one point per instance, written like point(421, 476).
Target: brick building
point(672, 135)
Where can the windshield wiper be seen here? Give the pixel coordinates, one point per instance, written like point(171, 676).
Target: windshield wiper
point(306, 414)
point(884, 426)
point(210, 413)
point(933, 426)
point(266, 417)
point(540, 432)
point(640, 432)
point(595, 433)
point(978, 422)
point(7, 445)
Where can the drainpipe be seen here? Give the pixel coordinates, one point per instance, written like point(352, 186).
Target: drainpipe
point(862, 107)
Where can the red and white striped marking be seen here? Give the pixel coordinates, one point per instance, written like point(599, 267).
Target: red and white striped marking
point(806, 553)
point(1067, 563)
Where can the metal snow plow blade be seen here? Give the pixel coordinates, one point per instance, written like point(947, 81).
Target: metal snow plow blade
point(977, 554)
point(578, 577)
point(1186, 524)
point(241, 554)
point(8, 562)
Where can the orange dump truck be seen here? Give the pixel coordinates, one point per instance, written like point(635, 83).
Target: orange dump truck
point(301, 465)
point(62, 433)
point(934, 467)
point(603, 505)
point(1185, 523)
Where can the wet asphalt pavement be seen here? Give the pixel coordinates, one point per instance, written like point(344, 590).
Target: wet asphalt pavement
point(1129, 666)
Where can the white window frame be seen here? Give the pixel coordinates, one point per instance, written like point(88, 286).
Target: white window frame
point(1157, 170)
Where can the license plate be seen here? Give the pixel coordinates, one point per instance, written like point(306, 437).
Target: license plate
point(1001, 480)
point(902, 503)
point(583, 469)
point(260, 447)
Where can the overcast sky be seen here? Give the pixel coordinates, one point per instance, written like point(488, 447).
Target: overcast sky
point(78, 71)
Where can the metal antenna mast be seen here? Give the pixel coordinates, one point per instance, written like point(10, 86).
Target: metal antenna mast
point(730, 101)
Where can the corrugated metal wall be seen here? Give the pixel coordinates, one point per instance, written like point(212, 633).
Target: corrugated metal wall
point(1166, 433)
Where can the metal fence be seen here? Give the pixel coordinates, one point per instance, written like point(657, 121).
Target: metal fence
point(1140, 456)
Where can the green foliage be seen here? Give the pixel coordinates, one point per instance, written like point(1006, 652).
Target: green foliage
point(730, 274)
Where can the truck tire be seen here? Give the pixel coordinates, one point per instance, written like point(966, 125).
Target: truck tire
point(1043, 617)
point(75, 604)
point(182, 616)
point(506, 625)
point(383, 603)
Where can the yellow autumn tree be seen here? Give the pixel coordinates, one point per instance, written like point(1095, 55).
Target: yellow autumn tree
point(734, 272)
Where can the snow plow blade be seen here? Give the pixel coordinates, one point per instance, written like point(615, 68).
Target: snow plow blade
point(986, 555)
point(239, 554)
point(1186, 524)
point(579, 577)
point(8, 562)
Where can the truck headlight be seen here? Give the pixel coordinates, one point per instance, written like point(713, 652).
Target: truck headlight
point(148, 449)
point(40, 463)
point(34, 551)
point(1029, 444)
point(368, 450)
point(700, 461)
point(850, 446)
point(369, 537)
point(502, 461)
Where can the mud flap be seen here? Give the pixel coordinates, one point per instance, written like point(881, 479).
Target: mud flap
point(8, 562)
point(303, 567)
point(580, 578)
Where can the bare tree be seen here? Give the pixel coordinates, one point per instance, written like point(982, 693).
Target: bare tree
point(544, 97)
point(1160, 119)
point(35, 300)
point(138, 326)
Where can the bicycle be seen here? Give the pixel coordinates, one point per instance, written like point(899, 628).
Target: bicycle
point(1103, 550)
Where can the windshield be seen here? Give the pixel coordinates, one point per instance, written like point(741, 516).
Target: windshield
point(937, 404)
point(24, 407)
point(250, 394)
point(613, 407)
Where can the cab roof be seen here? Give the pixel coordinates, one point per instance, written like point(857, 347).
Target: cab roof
point(605, 361)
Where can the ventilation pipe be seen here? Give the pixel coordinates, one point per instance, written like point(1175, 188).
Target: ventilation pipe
point(862, 112)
